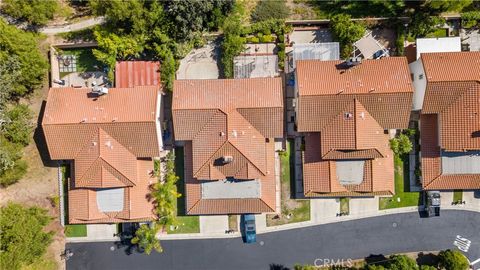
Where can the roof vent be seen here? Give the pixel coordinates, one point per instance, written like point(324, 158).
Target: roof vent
point(94, 143)
point(84, 120)
point(354, 61)
point(340, 91)
point(227, 159)
point(348, 115)
point(362, 115)
point(109, 144)
point(371, 90)
point(99, 90)
point(222, 133)
point(234, 133)
point(114, 119)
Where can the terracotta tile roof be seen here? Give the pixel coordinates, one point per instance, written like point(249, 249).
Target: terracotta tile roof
point(137, 73)
point(458, 107)
point(83, 208)
point(353, 129)
point(451, 66)
point(195, 205)
point(105, 148)
point(432, 177)
point(450, 119)
point(386, 75)
point(325, 88)
point(320, 179)
point(229, 118)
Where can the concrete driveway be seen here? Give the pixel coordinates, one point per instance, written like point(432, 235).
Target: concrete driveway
point(344, 240)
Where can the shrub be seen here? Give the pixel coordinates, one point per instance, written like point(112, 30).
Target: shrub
point(271, 9)
point(401, 145)
point(18, 126)
point(401, 262)
point(12, 168)
point(22, 235)
point(253, 40)
point(266, 39)
point(453, 260)
point(145, 238)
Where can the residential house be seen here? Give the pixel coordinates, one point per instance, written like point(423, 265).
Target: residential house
point(428, 45)
point(109, 137)
point(228, 129)
point(345, 112)
point(450, 121)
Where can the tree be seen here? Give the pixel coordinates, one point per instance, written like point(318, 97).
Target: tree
point(165, 194)
point(21, 48)
point(18, 124)
point(401, 144)
point(9, 74)
point(401, 262)
point(36, 12)
point(145, 238)
point(346, 32)
point(12, 168)
point(448, 5)
point(22, 235)
point(270, 9)
point(422, 24)
point(427, 267)
point(453, 260)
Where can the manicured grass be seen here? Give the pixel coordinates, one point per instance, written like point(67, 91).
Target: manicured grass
point(86, 61)
point(186, 224)
point(457, 195)
point(76, 230)
point(345, 205)
point(292, 210)
point(402, 192)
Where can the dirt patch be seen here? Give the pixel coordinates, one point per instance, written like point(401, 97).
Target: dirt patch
point(300, 10)
point(39, 184)
point(385, 36)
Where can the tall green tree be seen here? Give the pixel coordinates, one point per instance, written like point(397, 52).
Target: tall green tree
point(447, 5)
point(22, 236)
point(36, 12)
point(17, 126)
point(346, 32)
point(22, 47)
point(146, 240)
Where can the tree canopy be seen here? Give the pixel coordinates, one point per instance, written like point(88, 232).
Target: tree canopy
point(20, 49)
point(453, 260)
point(346, 32)
point(18, 124)
point(401, 145)
point(22, 236)
point(36, 12)
point(146, 240)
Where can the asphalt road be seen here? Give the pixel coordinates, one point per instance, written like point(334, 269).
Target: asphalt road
point(352, 239)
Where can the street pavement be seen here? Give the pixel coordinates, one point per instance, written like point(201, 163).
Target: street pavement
point(355, 239)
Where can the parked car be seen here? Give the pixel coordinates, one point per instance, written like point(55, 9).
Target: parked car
point(432, 203)
point(250, 233)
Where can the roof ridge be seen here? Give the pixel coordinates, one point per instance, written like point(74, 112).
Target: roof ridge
point(208, 160)
point(111, 166)
point(248, 159)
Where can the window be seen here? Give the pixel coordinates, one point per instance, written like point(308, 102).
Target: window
point(420, 77)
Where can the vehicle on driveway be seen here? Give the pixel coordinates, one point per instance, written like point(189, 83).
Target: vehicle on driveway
point(250, 233)
point(432, 203)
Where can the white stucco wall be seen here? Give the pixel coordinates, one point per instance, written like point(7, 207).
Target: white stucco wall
point(419, 84)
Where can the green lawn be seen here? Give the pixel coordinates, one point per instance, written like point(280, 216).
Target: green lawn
point(71, 230)
point(86, 61)
point(76, 230)
point(402, 192)
point(187, 224)
point(292, 210)
point(457, 195)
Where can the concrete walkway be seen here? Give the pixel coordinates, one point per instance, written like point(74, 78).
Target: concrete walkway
point(97, 233)
point(53, 30)
point(213, 224)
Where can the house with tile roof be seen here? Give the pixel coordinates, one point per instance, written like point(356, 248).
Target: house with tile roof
point(228, 129)
point(110, 141)
point(344, 113)
point(450, 121)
